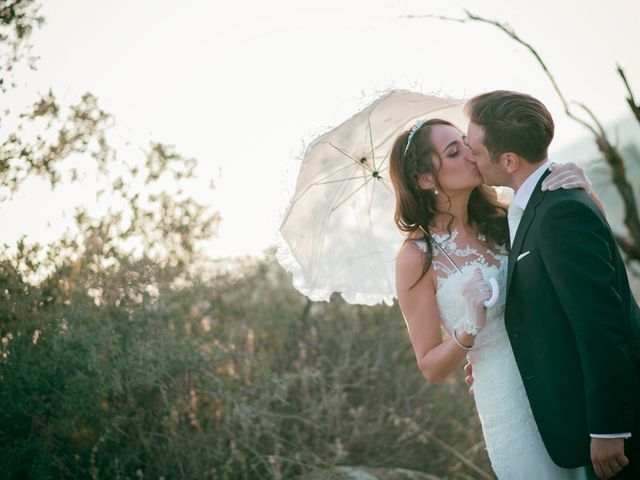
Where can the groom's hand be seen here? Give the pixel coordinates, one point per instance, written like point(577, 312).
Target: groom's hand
point(607, 456)
point(468, 369)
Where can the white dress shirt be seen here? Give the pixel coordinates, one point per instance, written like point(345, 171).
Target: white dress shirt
point(523, 194)
point(521, 199)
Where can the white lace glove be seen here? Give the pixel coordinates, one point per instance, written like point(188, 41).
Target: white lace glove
point(567, 175)
point(475, 291)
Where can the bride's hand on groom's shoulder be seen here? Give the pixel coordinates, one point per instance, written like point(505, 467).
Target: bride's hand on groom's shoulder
point(567, 176)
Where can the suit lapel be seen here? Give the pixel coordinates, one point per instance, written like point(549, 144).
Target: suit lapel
point(527, 217)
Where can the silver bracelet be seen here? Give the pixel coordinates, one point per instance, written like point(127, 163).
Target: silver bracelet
point(459, 343)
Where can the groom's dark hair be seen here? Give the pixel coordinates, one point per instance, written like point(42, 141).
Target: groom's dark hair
point(512, 122)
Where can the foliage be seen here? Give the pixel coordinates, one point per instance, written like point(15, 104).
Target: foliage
point(18, 19)
point(122, 372)
point(124, 354)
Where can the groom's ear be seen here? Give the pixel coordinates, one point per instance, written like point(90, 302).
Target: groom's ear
point(510, 161)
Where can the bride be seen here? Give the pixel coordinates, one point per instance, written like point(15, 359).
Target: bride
point(457, 239)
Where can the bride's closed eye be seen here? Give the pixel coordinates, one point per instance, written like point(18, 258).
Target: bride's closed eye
point(452, 149)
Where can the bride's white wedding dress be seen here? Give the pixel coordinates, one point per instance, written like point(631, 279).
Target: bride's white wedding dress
point(511, 436)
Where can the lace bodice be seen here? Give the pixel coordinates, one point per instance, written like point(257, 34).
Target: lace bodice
point(449, 280)
point(460, 254)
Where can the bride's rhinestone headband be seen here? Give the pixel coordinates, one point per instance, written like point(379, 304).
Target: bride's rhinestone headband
point(412, 132)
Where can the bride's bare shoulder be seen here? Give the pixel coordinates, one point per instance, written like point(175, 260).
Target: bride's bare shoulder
point(410, 260)
point(409, 251)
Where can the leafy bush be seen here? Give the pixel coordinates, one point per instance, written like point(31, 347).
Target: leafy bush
point(124, 354)
point(142, 370)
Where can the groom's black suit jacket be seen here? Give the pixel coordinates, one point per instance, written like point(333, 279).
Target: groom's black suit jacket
point(573, 324)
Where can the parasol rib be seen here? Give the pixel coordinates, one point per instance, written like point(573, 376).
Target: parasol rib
point(352, 194)
point(341, 180)
point(363, 165)
point(373, 155)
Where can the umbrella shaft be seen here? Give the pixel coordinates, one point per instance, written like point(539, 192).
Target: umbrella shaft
point(441, 249)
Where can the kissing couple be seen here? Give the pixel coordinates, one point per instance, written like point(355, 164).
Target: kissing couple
point(556, 360)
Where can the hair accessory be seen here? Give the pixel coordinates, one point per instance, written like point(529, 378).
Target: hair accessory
point(412, 132)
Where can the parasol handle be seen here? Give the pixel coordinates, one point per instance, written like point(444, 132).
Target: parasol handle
point(495, 290)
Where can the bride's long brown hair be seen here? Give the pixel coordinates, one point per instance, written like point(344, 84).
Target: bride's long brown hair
point(417, 208)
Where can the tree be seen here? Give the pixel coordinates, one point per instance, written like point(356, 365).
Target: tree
point(120, 358)
point(629, 243)
point(18, 19)
point(54, 141)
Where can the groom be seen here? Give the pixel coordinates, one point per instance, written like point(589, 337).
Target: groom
point(570, 314)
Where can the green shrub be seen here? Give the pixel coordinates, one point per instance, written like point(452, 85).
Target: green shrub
point(141, 370)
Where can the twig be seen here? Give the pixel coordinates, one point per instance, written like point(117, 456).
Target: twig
point(628, 247)
point(509, 31)
point(611, 154)
point(635, 108)
point(593, 117)
point(459, 456)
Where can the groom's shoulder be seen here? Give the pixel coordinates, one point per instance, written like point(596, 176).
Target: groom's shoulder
point(569, 202)
point(553, 197)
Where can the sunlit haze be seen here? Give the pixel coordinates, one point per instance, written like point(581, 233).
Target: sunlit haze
point(242, 86)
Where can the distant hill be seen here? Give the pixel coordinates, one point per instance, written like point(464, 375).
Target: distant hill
point(626, 133)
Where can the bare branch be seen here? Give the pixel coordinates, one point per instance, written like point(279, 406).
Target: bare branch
point(509, 31)
point(593, 117)
point(611, 154)
point(635, 108)
point(456, 453)
point(628, 247)
point(438, 17)
point(619, 179)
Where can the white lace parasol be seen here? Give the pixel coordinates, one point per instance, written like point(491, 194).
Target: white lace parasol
point(338, 232)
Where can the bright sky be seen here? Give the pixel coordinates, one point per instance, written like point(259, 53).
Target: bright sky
point(241, 85)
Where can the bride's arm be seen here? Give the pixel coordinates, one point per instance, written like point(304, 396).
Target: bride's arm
point(436, 358)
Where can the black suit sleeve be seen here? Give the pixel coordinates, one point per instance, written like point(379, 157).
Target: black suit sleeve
point(575, 244)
